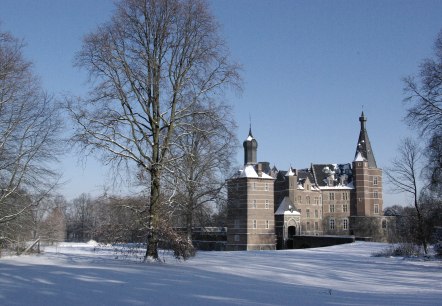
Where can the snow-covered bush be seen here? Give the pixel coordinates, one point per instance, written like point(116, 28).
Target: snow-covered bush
point(401, 249)
point(438, 240)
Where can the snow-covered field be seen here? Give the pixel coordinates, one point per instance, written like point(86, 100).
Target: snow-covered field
point(84, 274)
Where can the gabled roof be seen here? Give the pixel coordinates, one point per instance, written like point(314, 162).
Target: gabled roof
point(363, 146)
point(286, 208)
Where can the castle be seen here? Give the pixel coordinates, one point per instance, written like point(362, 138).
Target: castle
point(267, 207)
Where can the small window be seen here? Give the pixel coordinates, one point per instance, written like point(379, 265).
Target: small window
point(332, 196)
point(308, 213)
point(375, 194)
point(254, 185)
point(344, 207)
point(376, 209)
point(236, 238)
point(316, 213)
point(307, 198)
point(299, 199)
point(332, 224)
point(267, 204)
point(345, 196)
point(316, 226)
point(267, 224)
point(308, 226)
point(266, 186)
point(375, 180)
point(236, 223)
point(345, 224)
point(332, 208)
point(254, 224)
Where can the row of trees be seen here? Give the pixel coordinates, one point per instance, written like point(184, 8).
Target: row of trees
point(30, 129)
point(424, 98)
point(155, 112)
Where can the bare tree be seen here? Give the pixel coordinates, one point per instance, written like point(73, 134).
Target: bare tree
point(403, 175)
point(30, 127)
point(150, 64)
point(204, 153)
point(425, 112)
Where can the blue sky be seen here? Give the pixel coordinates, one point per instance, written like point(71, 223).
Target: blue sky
point(308, 69)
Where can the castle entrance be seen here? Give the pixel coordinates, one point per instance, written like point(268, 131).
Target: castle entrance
point(291, 231)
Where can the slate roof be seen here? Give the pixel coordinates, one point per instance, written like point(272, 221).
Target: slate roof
point(363, 146)
point(341, 174)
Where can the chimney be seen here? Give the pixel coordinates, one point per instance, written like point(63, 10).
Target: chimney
point(259, 171)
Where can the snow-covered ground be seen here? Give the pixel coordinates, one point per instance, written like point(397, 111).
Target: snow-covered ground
point(84, 274)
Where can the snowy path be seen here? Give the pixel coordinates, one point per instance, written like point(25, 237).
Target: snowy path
point(73, 274)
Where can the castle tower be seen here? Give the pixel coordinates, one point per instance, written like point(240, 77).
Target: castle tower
point(250, 208)
point(366, 201)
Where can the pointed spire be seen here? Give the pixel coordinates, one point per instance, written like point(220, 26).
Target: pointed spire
point(363, 147)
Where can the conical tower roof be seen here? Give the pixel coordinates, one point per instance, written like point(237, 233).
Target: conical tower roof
point(363, 147)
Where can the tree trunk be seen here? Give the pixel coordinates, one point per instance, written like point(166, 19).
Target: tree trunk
point(152, 238)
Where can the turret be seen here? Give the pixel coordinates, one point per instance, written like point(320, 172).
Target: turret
point(250, 147)
point(363, 146)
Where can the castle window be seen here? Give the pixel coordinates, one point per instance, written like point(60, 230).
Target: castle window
point(344, 207)
point(236, 238)
point(267, 204)
point(375, 194)
point(254, 224)
point(308, 213)
point(254, 185)
point(299, 199)
point(254, 204)
point(332, 208)
point(316, 200)
point(266, 186)
point(332, 196)
point(307, 198)
point(267, 224)
point(332, 224)
point(376, 209)
point(345, 224)
point(345, 196)
point(316, 213)
point(375, 180)
point(236, 223)
point(316, 226)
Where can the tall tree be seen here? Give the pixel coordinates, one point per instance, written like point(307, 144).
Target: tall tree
point(150, 64)
point(203, 160)
point(30, 129)
point(425, 111)
point(403, 175)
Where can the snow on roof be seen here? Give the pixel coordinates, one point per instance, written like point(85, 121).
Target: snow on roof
point(338, 187)
point(359, 157)
point(250, 138)
point(249, 171)
point(284, 208)
point(290, 172)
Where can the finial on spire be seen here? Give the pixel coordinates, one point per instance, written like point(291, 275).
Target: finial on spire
point(250, 125)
